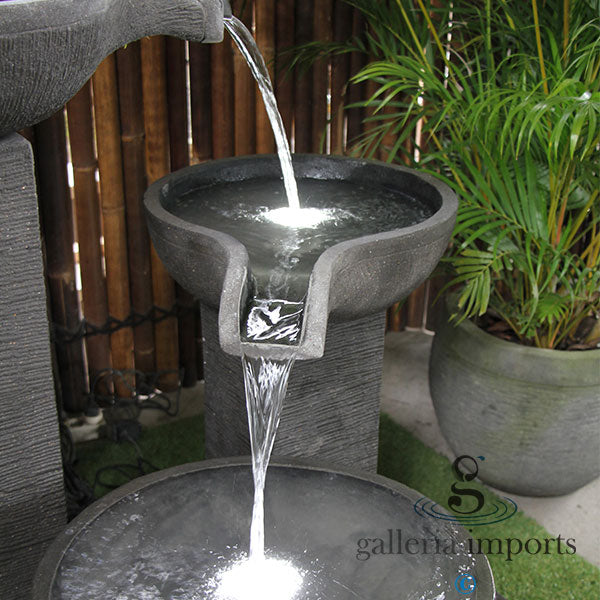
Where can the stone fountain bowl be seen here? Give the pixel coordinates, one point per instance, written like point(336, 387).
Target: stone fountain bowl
point(169, 534)
point(50, 48)
point(351, 279)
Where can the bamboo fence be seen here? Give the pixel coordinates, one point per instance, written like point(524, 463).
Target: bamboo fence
point(153, 107)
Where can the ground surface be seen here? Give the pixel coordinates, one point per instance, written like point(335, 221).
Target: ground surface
point(413, 451)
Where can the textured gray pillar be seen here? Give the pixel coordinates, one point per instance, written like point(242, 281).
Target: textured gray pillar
point(32, 501)
point(331, 411)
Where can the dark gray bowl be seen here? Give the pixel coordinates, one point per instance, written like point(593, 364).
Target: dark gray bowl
point(50, 48)
point(350, 280)
point(167, 535)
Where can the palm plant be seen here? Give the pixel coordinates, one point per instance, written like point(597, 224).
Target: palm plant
point(507, 94)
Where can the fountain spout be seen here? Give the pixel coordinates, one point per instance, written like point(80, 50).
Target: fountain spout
point(50, 48)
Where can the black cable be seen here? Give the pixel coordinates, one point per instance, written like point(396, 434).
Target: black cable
point(78, 492)
point(156, 314)
point(127, 471)
point(145, 393)
point(121, 414)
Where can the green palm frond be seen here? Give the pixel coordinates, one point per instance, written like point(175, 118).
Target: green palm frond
point(509, 109)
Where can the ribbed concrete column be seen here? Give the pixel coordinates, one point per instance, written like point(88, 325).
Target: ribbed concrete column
point(32, 500)
point(331, 411)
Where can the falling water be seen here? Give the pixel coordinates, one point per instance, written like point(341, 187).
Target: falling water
point(265, 381)
point(247, 46)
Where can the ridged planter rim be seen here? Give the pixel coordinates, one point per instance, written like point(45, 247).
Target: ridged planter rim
point(528, 361)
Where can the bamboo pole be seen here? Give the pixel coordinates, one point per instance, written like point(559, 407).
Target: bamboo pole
point(371, 150)
point(435, 305)
point(284, 82)
point(177, 103)
point(322, 26)
point(303, 82)
point(415, 307)
point(200, 90)
point(134, 182)
point(154, 83)
point(222, 99)
point(355, 92)
point(56, 219)
point(180, 158)
point(340, 73)
point(245, 104)
point(201, 107)
point(95, 307)
point(396, 317)
point(265, 39)
point(112, 201)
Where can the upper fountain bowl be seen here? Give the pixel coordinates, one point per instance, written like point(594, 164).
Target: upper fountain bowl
point(50, 48)
point(209, 226)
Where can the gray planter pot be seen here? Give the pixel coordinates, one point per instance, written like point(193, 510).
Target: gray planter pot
point(533, 414)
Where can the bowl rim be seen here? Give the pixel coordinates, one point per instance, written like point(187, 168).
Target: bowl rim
point(49, 565)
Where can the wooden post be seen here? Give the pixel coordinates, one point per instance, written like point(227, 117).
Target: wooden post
point(340, 73)
point(112, 199)
point(323, 33)
point(134, 182)
point(222, 99)
point(56, 215)
point(32, 509)
point(415, 307)
point(303, 82)
point(87, 211)
point(200, 89)
point(284, 82)
point(154, 81)
point(355, 92)
point(180, 157)
point(247, 103)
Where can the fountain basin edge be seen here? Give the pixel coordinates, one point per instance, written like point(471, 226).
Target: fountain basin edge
point(351, 279)
point(80, 555)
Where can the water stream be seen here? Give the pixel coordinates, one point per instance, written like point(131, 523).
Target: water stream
point(283, 244)
point(265, 380)
point(247, 46)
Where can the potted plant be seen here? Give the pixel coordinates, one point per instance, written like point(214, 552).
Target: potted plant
point(507, 96)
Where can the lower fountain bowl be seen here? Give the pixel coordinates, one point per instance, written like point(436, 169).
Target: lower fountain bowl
point(168, 536)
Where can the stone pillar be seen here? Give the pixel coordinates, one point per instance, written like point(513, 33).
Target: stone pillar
point(32, 500)
point(331, 411)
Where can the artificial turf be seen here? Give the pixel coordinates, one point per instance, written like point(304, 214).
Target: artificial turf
point(402, 457)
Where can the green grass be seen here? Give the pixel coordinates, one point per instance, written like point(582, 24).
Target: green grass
point(525, 577)
point(401, 457)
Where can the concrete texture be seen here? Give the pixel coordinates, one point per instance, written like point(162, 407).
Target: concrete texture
point(350, 280)
point(405, 397)
point(329, 412)
point(32, 503)
point(49, 49)
point(533, 413)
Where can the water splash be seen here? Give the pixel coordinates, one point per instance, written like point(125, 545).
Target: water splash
point(247, 46)
point(258, 579)
point(273, 321)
